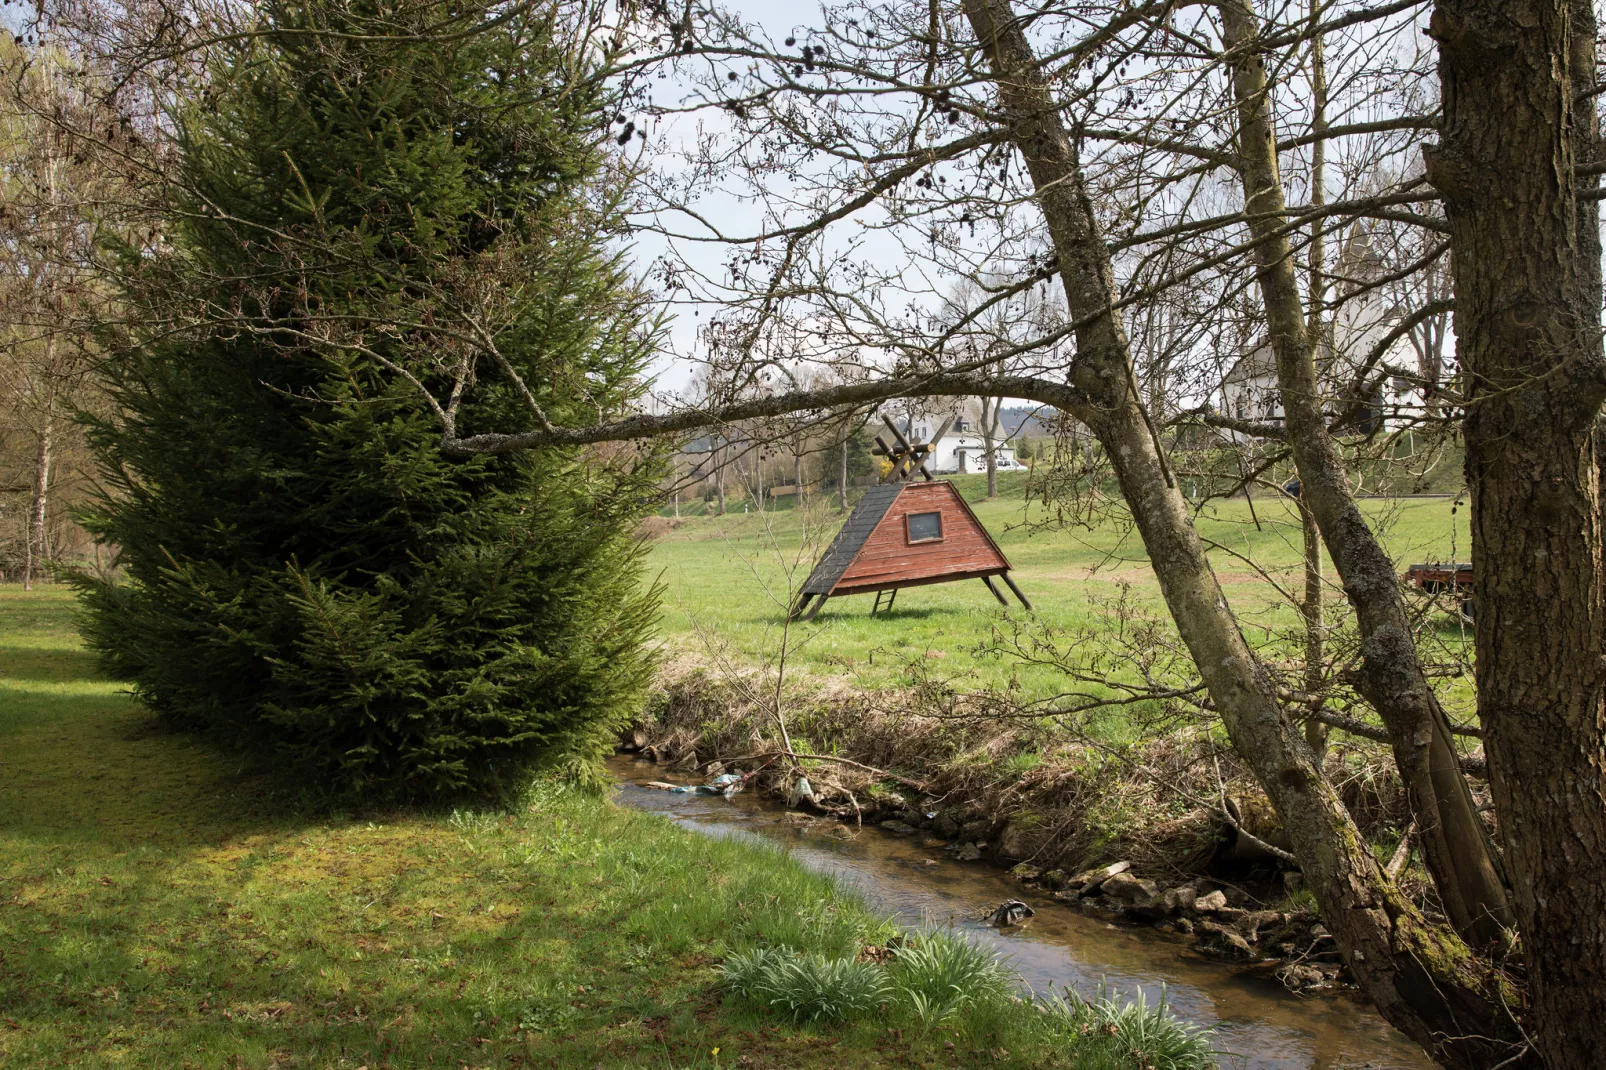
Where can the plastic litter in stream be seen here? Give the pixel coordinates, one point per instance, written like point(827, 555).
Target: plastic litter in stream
point(727, 784)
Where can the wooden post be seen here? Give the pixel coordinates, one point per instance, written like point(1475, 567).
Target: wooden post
point(988, 580)
point(1018, 593)
point(887, 452)
point(910, 456)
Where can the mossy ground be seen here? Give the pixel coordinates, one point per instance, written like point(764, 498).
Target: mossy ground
point(161, 908)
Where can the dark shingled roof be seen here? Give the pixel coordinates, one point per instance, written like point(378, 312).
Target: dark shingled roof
point(845, 547)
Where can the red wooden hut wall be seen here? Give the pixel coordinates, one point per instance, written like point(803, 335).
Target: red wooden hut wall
point(888, 559)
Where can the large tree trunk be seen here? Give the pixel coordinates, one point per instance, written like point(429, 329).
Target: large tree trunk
point(1423, 979)
point(1455, 845)
point(1527, 326)
point(1586, 147)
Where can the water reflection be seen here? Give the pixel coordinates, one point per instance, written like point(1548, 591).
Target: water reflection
point(1263, 1026)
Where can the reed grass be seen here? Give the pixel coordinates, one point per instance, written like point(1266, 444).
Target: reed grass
point(938, 983)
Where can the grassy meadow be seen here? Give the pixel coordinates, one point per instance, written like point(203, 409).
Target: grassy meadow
point(728, 579)
point(161, 908)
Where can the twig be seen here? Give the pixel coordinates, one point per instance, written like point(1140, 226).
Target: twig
point(1402, 853)
point(1277, 852)
point(914, 785)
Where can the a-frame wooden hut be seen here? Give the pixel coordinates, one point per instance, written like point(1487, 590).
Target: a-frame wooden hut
point(906, 535)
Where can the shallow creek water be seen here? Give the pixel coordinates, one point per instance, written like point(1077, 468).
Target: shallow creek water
point(1261, 1025)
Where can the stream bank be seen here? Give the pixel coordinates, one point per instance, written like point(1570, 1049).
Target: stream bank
point(1262, 1026)
point(1139, 837)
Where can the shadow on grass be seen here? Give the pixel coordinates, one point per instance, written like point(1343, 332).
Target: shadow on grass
point(894, 614)
point(162, 907)
point(160, 904)
point(96, 771)
point(45, 664)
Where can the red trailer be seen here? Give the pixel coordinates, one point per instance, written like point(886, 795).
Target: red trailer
point(1453, 579)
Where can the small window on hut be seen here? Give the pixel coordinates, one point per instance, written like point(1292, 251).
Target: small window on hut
point(924, 527)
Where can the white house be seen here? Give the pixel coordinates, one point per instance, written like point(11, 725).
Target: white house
point(962, 447)
point(1249, 390)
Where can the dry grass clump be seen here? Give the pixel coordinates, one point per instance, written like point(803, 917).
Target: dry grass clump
point(652, 528)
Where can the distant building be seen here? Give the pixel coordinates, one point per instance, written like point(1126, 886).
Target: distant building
point(1250, 391)
point(962, 447)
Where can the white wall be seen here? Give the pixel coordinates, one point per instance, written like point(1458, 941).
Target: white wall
point(946, 457)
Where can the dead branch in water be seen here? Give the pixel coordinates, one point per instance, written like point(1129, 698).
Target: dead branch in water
point(913, 785)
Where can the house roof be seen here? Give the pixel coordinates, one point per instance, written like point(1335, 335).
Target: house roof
point(870, 511)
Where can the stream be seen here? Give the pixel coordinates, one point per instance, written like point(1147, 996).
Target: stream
point(1257, 1023)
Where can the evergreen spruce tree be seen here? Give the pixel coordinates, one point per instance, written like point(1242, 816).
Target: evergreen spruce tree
point(372, 195)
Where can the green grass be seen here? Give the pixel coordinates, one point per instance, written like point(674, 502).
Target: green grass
point(728, 578)
point(936, 976)
point(159, 908)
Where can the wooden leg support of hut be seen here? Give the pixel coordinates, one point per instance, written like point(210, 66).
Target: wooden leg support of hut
point(988, 580)
point(1018, 593)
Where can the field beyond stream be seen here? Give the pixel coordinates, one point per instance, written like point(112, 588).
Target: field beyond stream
point(728, 579)
point(161, 907)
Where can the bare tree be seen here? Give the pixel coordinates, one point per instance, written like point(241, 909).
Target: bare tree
point(63, 187)
point(1466, 867)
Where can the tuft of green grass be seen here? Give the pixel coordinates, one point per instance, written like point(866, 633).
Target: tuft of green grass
point(807, 988)
point(1130, 1030)
point(160, 908)
point(938, 975)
